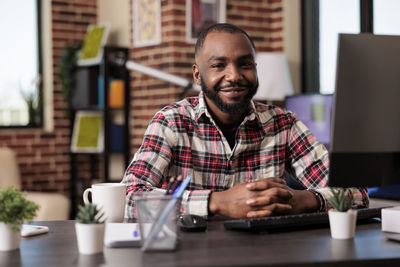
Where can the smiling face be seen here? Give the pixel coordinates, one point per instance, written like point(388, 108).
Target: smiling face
point(226, 70)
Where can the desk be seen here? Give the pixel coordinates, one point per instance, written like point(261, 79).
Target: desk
point(216, 247)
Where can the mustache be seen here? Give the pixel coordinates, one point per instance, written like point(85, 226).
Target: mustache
point(232, 84)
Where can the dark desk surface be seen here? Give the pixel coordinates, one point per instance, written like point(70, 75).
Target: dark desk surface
point(216, 247)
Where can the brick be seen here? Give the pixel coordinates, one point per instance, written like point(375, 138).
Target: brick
point(5, 138)
point(24, 154)
point(22, 137)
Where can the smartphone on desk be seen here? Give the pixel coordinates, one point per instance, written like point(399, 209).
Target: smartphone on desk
point(31, 230)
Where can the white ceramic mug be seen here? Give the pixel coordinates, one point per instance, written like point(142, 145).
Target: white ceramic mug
point(110, 198)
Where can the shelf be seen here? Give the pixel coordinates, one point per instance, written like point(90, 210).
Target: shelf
point(93, 94)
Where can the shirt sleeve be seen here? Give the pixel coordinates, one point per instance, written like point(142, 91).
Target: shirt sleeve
point(310, 162)
point(150, 166)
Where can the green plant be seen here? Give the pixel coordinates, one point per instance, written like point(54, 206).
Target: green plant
point(341, 199)
point(89, 214)
point(15, 208)
point(68, 66)
point(32, 96)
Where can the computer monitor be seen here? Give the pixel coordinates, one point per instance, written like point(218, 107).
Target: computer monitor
point(314, 110)
point(365, 146)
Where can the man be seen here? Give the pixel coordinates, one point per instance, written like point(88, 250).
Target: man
point(235, 149)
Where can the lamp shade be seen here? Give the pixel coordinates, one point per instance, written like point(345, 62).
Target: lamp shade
point(273, 77)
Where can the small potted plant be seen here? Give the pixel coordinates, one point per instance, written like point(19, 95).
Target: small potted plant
point(90, 229)
point(342, 218)
point(14, 210)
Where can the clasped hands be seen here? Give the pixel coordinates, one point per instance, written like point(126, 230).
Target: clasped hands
point(265, 197)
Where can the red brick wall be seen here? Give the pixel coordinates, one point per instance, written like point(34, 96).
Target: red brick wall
point(44, 157)
point(261, 19)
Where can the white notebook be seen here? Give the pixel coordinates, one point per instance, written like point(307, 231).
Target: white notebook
point(122, 235)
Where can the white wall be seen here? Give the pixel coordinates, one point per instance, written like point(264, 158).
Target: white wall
point(292, 40)
point(117, 13)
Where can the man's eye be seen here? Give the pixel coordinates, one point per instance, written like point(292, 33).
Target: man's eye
point(248, 64)
point(217, 66)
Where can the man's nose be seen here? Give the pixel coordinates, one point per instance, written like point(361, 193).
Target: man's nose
point(233, 73)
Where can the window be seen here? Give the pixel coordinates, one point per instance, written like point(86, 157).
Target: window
point(334, 19)
point(386, 17)
point(20, 66)
point(323, 20)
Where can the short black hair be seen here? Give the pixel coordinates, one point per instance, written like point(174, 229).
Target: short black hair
point(220, 27)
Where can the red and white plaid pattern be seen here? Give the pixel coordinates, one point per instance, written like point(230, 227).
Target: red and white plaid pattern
point(183, 139)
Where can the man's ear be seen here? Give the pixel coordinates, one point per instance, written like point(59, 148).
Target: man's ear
point(196, 74)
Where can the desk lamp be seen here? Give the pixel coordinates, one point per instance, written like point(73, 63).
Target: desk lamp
point(273, 76)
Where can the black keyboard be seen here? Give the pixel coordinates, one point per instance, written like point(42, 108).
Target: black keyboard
point(294, 222)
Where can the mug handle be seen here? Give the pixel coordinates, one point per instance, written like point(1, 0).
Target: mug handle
point(86, 194)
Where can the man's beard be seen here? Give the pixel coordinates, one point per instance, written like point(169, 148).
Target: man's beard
point(239, 108)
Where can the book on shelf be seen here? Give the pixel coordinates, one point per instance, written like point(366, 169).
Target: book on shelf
point(116, 97)
point(88, 132)
point(93, 45)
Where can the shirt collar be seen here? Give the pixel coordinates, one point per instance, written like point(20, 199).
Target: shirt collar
point(201, 110)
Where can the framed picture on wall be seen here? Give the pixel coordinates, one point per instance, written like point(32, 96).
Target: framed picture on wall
point(146, 22)
point(202, 13)
point(88, 132)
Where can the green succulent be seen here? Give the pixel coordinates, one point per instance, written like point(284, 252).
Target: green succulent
point(15, 208)
point(90, 214)
point(341, 199)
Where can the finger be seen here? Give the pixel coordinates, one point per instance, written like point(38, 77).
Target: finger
point(259, 213)
point(275, 195)
point(266, 183)
point(176, 183)
point(273, 209)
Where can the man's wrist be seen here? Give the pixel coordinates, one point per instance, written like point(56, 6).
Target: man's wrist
point(321, 200)
point(212, 203)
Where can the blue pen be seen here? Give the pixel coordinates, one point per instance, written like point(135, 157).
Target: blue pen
point(165, 213)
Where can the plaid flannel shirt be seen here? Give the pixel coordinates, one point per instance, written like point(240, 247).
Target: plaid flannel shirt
point(184, 139)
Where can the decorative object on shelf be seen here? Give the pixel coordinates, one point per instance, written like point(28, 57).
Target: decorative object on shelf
point(201, 14)
point(95, 40)
point(68, 67)
point(342, 218)
point(89, 229)
point(117, 138)
point(116, 94)
point(146, 22)
point(88, 132)
point(15, 209)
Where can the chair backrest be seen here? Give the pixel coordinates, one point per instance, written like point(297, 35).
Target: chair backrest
point(9, 170)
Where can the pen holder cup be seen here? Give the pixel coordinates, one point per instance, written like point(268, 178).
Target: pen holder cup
point(157, 216)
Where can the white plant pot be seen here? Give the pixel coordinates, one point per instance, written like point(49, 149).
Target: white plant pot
point(342, 224)
point(8, 239)
point(90, 238)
